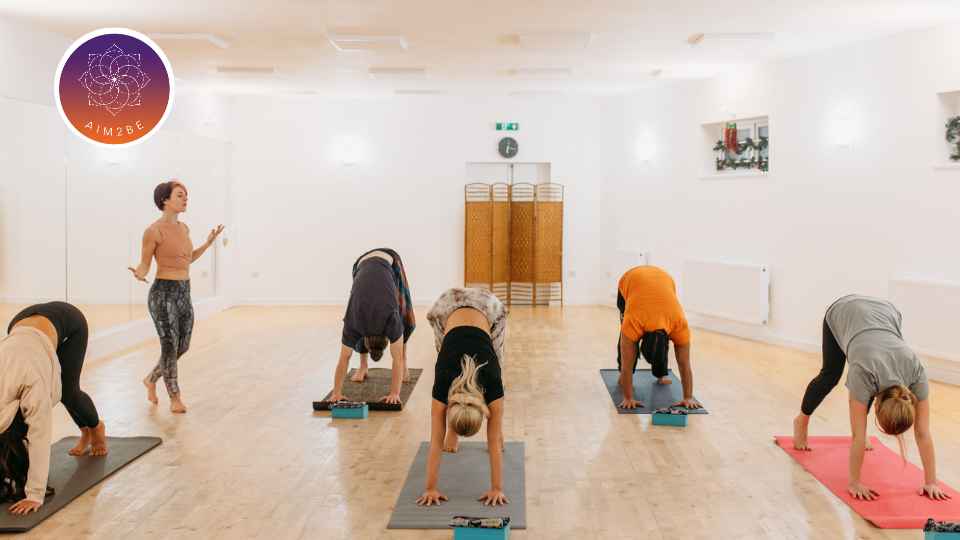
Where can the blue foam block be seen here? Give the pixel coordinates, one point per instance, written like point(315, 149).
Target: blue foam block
point(933, 535)
point(666, 419)
point(350, 412)
point(477, 533)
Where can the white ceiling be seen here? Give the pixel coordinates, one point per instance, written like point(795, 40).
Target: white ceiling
point(470, 46)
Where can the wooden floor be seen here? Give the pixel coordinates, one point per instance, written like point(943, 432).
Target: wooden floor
point(251, 460)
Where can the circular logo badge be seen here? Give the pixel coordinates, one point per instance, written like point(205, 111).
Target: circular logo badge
point(114, 87)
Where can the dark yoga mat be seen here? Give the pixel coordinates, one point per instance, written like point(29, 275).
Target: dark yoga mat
point(72, 476)
point(464, 477)
point(375, 387)
point(645, 388)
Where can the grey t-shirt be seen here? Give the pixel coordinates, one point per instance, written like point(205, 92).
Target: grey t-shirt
point(868, 330)
point(374, 307)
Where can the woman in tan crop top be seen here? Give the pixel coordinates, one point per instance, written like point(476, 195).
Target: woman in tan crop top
point(168, 241)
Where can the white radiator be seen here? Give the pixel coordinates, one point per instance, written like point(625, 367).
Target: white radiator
point(737, 292)
point(931, 315)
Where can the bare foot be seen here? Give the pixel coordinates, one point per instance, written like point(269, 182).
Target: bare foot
point(98, 440)
point(81, 448)
point(176, 405)
point(151, 391)
point(451, 443)
point(359, 376)
point(800, 424)
point(665, 380)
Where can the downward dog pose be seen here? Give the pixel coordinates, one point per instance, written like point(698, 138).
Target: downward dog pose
point(40, 364)
point(168, 241)
point(650, 315)
point(866, 333)
point(379, 312)
point(469, 326)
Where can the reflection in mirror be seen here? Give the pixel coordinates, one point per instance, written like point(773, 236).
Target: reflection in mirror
point(32, 182)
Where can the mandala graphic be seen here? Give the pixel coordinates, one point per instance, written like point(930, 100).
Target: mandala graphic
point(113, 80)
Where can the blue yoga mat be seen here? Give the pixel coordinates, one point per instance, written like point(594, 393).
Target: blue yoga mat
point(645, 388)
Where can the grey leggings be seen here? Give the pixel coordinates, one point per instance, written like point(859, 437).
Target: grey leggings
point(172, 312)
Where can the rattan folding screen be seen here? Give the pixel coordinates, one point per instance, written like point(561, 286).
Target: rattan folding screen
point(513, 241)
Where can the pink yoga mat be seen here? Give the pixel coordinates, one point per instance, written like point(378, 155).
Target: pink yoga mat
point(899, 507)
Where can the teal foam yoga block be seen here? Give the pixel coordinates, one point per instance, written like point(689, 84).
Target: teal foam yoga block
point(350, 410)
point(933, 535)
point(663, 417)
point(477, 533)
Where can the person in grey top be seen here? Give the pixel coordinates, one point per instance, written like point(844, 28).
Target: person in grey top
point(379, 315)
point(866, 333)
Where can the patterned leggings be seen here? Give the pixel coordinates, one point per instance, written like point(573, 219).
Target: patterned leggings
point(481, 300)
point(172, 312)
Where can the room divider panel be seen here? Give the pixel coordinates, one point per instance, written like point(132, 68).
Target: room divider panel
point(513, 241)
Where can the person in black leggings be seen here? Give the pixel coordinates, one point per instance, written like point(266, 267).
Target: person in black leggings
point(31, 386)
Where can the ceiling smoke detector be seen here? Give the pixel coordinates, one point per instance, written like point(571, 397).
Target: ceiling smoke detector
point(344, 42)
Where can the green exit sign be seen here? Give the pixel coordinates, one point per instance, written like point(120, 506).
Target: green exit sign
point(508, 126)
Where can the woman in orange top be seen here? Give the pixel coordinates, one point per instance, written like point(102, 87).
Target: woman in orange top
point(650, 315)
point(168, 240)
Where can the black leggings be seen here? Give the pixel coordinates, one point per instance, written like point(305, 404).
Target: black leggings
point(834, 360)
point(72, 334)
point(660, 367)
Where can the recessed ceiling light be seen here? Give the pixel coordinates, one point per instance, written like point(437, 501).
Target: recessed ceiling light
point(656, 73)
point(211, 38)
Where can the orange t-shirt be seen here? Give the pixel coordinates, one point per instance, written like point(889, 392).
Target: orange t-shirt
point(652, 304)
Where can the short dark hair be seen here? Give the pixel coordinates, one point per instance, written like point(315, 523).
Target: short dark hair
point(163, 191)
point(376, 345)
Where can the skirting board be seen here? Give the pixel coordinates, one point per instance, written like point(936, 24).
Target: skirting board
point(938, 369)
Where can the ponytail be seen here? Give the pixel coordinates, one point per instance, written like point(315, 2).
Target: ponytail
point(467, 407)
point(896, 409)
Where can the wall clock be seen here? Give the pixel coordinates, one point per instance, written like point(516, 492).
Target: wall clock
point(508, 147)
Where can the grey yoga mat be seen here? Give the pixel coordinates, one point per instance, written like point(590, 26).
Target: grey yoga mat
point(464, 477)
point(375, 387)
point(645, 388)
point(71, 476)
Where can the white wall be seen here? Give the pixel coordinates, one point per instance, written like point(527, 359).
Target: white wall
point(829, 220)
point(72, 214)
point(304, 216)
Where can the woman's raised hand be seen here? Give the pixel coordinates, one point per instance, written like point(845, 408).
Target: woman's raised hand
point(214, 233)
